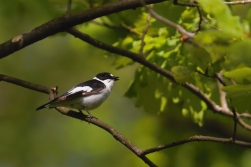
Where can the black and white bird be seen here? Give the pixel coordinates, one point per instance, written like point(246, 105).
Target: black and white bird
point(87, 95)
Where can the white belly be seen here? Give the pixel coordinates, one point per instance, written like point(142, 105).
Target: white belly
point(94, 101)
point(84, 103)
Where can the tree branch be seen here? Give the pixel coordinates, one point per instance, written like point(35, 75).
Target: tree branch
point(24, 84)
point(118, 136)
point(65, 22)
point(137, 58)
point(193, 4)
point(197, 138)
point(238, 2)
point(52, 94)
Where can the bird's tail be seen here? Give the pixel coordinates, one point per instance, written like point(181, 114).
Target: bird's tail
point(43, 106)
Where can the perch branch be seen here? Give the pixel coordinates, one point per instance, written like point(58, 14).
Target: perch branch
point(118, 136)
point(52, 94)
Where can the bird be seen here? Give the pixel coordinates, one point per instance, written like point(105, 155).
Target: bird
point(87, 95)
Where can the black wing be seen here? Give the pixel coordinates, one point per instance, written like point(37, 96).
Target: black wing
point(83, 89)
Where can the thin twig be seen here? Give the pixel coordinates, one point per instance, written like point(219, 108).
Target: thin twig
point(235, 118)
point(176, 2)
point(130, 29)
point(141, 51)
point(198, 28)
point(238, 2)
point(216, 76)
point(245, 115)
point(224, 105)
point(109, 25)
point(223, 94)
point(198, 138)
point(68, 11)
point(192, 4)
point(219, 78)
point(168, 22)
point(91, 3)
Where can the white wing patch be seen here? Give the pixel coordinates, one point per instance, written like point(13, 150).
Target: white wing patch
point(81, 88)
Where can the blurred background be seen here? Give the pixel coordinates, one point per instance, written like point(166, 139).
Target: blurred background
point(30, 138)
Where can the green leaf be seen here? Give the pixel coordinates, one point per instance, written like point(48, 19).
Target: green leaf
point(122, 62)
point(238, 55)
point(240, 96)
point(238, 91)
point(225, 20)
point(240, 75)
point(181, 74)
point(212, 37)
point(196, 56)
point(163, 32)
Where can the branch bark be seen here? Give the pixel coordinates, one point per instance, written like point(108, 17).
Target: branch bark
point(65, 22)
point(117, 135)
point(198, 138)
point(193, 4)
point(24, 84)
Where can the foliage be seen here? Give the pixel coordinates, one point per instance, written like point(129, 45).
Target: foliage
point(221, 45)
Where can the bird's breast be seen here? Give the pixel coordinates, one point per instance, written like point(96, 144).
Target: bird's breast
point(94, 101)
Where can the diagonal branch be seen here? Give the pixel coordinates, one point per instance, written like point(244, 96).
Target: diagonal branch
point(168, 22)
point(52, 93)
point(118, 136)
point(137, 58)
point(62, 23)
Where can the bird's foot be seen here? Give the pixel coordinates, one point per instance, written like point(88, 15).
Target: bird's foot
point(91, 117)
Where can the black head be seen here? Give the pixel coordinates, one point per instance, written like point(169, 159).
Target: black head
point(106, 75)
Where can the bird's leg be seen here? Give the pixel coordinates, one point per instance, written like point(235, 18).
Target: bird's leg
point(91, 116)
point(80, 112)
